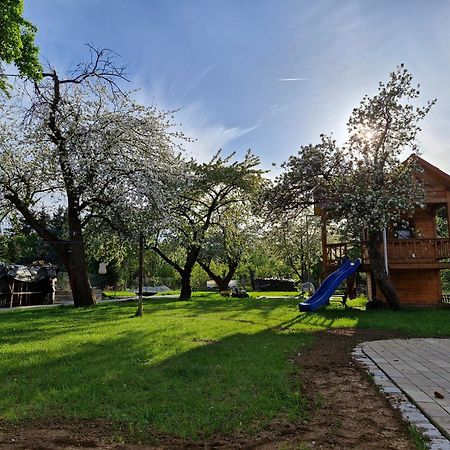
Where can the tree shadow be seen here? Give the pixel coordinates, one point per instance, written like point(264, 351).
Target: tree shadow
point(216, 386)
point(186, 368)
point(25, 326)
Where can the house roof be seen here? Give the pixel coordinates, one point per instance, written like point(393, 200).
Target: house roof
point(431, 170)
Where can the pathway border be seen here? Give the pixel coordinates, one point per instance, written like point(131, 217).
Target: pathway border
point(398, 399)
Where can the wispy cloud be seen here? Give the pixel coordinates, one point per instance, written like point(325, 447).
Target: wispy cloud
point(209, 135)
point(190, 86)
point(294, 79)
point(275, 110)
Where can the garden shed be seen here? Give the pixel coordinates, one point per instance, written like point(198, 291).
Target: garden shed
point(27, 285)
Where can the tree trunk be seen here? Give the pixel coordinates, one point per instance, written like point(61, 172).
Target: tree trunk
point(78, 278)
point(251, 273)
point(222, 282)
point(186, 290)
point(76, 263)
point(382, 279)
point(185, 272)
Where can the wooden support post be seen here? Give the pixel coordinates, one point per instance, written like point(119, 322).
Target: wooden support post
point(373, 286)
point(11, 290)
point(324, 245)
point(141, 274)
point(439, 287)
point(448, 212)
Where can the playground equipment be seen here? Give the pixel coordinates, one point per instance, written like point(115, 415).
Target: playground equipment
point(327, 288)
point(416, 252)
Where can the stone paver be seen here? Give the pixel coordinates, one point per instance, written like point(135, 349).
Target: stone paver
point(421, 369)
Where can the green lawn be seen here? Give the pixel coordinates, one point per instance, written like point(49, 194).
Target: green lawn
point(185, 368)
point(114, 294)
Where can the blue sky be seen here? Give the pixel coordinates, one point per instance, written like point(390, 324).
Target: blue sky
point(221, 62)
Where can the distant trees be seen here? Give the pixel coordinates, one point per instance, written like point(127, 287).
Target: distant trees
point(363, 185)
point(195, 208)
point(296, 241)
point(19, 243)
point(17, 42)
point(226, 242)
point(120, 252)
point(83, 143)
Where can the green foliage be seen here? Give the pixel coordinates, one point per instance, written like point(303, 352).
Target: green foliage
point(199, 203)
point(17, 42)
point(307, 178)
point(445, 280)
point(442, 223)
point(121, 258)
point(209, 191)
point(297, 241)
point(22, 245)
point(260, 260)
point(199, 277)
point(228, 241)
point(421, 442)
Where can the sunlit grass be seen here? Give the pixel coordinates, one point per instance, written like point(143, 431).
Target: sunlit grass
point(115, 294)
point(186, 368)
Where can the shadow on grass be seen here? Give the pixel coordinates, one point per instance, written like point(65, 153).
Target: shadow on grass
point(225, 385)
point(29, 325)
point(186, 368)
point(15, 325)
point(23, 325)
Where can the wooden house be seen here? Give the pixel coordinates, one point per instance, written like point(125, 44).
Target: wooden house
point(416, 254)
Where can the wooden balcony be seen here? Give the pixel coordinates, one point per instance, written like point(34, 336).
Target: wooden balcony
point(402, 253)
point(414, 250)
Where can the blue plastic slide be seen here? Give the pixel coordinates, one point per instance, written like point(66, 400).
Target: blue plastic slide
point(327, 288)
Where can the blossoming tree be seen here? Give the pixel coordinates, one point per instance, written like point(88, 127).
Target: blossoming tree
point(363, 185)
point(83, 142)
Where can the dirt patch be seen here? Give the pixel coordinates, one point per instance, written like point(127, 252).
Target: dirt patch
point(58, 435)
point(346, 411)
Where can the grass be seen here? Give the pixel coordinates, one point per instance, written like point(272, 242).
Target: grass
point(114, 294)
point(421, 442)
point(204, 293)
point(133, 293)
point(273, 294)
point(185, 368)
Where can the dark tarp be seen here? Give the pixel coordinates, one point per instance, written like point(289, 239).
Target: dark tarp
point(28, 274)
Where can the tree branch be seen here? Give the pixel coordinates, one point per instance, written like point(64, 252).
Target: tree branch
point(167, 260)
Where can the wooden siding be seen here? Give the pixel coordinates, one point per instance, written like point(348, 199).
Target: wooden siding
point(416, 287)
point(424, 223)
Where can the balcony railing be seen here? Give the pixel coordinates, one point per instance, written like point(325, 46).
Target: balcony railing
point(336, 252)
point(401, 250)
point(418, 249)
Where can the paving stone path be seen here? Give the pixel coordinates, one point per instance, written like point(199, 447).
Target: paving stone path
point(421, 369)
